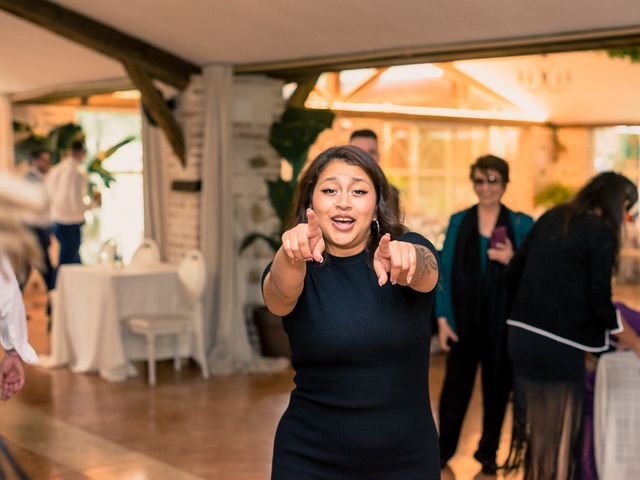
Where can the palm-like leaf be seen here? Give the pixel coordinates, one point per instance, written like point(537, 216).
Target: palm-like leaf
point(274, 242)
point(95, 164)
point(60, 139)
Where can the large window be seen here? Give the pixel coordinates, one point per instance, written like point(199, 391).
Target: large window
point(429, 163)
point(121, 217)
point(618, 148)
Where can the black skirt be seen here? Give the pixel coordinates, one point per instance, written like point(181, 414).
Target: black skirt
point(549, 380)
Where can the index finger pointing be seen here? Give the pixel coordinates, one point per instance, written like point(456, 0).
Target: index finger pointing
point(312, 221)
point(383, 245)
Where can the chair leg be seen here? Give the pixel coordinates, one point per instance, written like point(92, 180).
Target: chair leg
point(177, 363)
point(151, 358)
point(202, 357)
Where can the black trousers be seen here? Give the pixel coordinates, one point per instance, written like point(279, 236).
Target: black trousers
point(42, 235)
point(475, 347)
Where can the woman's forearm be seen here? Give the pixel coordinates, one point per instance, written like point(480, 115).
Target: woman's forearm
point(425, 277)
point(283, 284)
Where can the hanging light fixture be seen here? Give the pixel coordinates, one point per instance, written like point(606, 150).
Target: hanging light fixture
point(544, 74)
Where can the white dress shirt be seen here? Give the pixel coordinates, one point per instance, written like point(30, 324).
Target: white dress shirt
point(67, 186)
point(13, 320)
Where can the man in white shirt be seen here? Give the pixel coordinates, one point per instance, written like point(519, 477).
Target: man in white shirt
point(67, 185)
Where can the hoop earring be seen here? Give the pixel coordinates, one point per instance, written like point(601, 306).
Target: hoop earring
point(376, 224)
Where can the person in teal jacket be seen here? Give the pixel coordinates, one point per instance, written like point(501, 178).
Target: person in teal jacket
point(471, 310)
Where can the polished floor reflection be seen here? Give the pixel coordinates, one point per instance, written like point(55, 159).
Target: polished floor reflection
point(77, 426)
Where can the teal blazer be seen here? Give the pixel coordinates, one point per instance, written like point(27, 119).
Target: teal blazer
point(521, 223)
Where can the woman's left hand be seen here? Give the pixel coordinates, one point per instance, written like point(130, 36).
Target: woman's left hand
point(502, 252)
point(394, 260)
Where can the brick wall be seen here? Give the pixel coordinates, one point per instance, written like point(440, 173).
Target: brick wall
point(257, 103)
point(183, 208)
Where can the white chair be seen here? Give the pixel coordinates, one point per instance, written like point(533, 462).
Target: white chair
point(147, 253)
point(189, 324)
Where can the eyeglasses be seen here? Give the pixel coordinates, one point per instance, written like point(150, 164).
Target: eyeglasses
point(491, 180)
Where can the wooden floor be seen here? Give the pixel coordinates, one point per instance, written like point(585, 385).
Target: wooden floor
point(78, 426)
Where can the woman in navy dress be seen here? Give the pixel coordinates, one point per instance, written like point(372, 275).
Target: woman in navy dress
point(355, 291)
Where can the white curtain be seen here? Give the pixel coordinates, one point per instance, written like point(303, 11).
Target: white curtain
point(155, 148)
point(231, 350)
point(6, 135)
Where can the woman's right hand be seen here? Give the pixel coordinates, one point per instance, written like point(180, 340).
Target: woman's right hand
point(304, 242)
point(445, 332)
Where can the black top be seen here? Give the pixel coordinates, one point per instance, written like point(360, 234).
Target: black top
point(360, 408)
point(564, 280)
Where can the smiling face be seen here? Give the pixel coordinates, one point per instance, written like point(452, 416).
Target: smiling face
point(489, 186)
point(344, 200)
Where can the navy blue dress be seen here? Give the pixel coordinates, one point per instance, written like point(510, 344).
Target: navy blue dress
point(360, 408)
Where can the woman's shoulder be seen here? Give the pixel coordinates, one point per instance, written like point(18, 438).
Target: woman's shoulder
point(521, 220)
point(417, 239)
point(456, 218)
point(521, 216)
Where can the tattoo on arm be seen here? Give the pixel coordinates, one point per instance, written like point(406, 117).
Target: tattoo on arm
point(427, 262)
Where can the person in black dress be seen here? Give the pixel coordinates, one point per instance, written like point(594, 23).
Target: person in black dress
point(561, 289)
point(354, 289)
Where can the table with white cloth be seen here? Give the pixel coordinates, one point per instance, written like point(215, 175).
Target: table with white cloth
point(89, 332)
point(617, 416)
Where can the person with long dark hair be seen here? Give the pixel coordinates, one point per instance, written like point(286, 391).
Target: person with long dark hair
point(471, 310)
point(561, 282)
point(354, 289)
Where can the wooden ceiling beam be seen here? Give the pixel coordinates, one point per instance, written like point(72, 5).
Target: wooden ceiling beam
point(81, 89)
point(158, 109)
point(374, 76)
point(107, 40)
point(302, 91)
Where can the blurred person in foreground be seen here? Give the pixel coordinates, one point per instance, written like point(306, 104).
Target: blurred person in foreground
point(21, 203)
point(471, 311)
point(560, 282)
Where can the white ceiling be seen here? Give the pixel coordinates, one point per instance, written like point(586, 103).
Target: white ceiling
point(250, 31)
point(32, 58)
point(258, 31)
point(600, 90)
point(247, 31)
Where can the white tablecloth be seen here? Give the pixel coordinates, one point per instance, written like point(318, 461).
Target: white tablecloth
point(617, 416)
point(88, 332)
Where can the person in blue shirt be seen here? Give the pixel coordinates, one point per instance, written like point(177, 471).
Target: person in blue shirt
point(471, 310)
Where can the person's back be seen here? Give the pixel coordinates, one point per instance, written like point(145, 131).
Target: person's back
point(66, 186)
point(566, 302)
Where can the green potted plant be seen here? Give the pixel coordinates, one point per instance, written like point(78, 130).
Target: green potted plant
point(58, 141)
point(553, 194)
